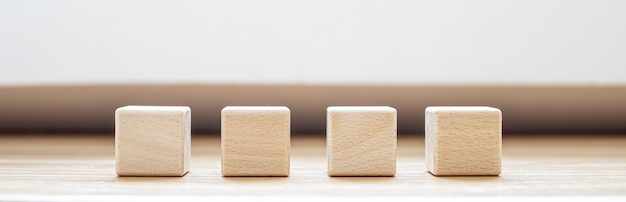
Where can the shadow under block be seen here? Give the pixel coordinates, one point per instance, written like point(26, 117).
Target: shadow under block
point(256, 141)
point(463, 141)
point(152, 140)
point(361, 141)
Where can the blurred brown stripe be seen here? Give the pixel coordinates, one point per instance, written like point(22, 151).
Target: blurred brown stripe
point(526, 109)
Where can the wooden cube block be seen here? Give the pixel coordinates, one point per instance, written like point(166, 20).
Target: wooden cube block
point(255, 141)
point(463, 140)
point(152, 140)
point(361, 141)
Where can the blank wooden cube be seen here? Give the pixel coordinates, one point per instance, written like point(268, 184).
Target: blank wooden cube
point(152, 140)
point(255, 141)
point(361, 141)
point(463, 140)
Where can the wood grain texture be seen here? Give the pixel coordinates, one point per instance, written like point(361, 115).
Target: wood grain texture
point(361, 141)
point(543, 167)
point(256, 141)
point(153, 140)
point(463, 140)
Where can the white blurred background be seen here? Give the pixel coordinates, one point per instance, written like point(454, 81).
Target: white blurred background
point(552, 66)
point(404, 42)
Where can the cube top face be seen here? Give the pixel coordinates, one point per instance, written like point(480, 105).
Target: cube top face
point(256, 141)
point(153, 140)
point(463, 140)
point(360, 109)
point(463, 109)
point(361, 141)
point(134, 109)
point(255, 109)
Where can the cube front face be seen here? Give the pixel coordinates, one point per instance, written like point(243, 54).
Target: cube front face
point(463, 140)
point(152, 140)
point(361, 141)
point(256, 141)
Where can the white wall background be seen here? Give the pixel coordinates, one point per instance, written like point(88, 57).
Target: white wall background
point(413, 42)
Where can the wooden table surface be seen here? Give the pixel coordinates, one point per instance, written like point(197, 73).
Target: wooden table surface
point(82, 167)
